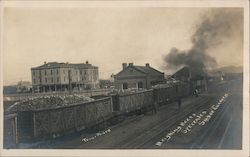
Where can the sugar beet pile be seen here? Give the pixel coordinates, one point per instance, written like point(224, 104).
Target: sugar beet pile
point(47, 102)
point(126, 91)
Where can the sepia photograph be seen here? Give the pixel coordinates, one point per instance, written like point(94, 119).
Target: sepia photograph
point(127, 77)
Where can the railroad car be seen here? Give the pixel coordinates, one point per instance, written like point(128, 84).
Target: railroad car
point(164, 94)
point(183, 89)
point(125, 103)
point(63, 120)
point(96, 114)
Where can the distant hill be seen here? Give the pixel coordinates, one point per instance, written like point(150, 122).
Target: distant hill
point(229, 69)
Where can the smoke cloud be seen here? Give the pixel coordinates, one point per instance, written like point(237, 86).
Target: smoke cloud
point(213, 30)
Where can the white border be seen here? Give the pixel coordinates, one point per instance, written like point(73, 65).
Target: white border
point(168, 152)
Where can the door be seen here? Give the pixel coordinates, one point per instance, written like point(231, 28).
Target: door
point(140, 85)
point(125, 85)
point(25, 125)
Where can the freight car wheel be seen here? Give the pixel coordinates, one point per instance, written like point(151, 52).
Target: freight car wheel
point(138, 112)
point(99, 127)
point(114, 120)
point(92, 128)
point(121, 118)
point(102, 125)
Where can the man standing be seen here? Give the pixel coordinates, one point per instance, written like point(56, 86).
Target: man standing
point(154, 110)
point(179, 102)
point(196, 92)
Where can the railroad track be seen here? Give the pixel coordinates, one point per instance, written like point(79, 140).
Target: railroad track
point(203, 140)
point(148, 135)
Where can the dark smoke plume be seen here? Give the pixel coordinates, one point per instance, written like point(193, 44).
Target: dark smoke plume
point(215, 26)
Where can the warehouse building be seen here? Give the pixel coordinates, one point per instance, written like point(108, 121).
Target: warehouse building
point(132, 76)
point(23, 86)
point(197, 78)
point(54, 76)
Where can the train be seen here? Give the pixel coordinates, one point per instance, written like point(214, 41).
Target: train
point(144, 101)
point(98, 114)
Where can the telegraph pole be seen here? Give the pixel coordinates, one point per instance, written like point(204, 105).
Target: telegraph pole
point(69, 75)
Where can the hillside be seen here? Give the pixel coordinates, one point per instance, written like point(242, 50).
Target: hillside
point(228, 69)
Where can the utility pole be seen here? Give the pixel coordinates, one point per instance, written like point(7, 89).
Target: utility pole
point(69, 75)
point(40, 80)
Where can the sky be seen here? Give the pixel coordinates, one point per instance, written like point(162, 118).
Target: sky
point(106, 37)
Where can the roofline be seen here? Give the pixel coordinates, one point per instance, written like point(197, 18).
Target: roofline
point(180, 70)
point(65, 65)
point(139, 69)
point(127, 77)
point(131, 66)
point(156, 70)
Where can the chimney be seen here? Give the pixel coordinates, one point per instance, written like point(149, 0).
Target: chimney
point(124, 65)
point(87, 62)
point(44, 62)
point(147, 64)
point(130, 64)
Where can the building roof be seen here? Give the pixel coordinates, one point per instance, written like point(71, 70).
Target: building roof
point(24, 83)
point(143, 69)
point(148, 70)
point(192, 73)
point(50, 65)
point(185, 71)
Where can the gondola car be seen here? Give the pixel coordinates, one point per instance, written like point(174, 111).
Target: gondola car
point(59, 121)
point(125, 103)
point(167, 93)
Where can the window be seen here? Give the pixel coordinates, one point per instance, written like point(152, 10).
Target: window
point(45, 72)
point(52, 79)
point(63, 71)
point(46, 80)
point(80, 72)
point(51, 71)
point(57, 79)
point(34, 81)
point(125, 85)
point(57, 71)
point(154, 82)
point(76, 72)
point(140, 85)
point(64, 79)
point(34, 73)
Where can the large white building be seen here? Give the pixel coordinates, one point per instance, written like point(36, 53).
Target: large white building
point(54, 76)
